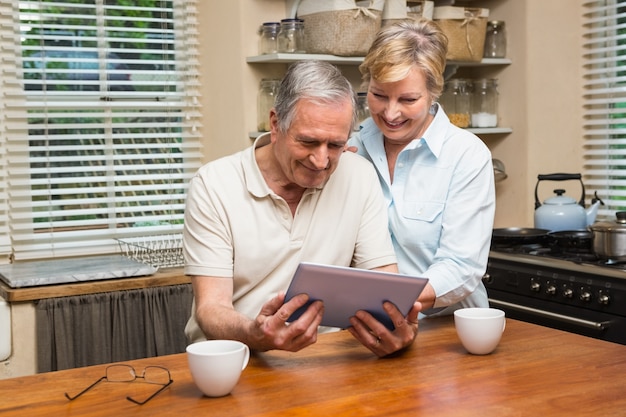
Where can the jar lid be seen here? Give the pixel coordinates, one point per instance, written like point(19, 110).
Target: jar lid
point(486, 82)
point(269, 27)
point(270, 81)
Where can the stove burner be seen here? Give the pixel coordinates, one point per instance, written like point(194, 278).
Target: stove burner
point(573, 254)
point(615, 262)
point(539, 251)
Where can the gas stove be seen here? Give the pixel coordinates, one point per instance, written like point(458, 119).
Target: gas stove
point(570, 290)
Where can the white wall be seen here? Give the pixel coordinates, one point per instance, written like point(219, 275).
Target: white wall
point(23, 359)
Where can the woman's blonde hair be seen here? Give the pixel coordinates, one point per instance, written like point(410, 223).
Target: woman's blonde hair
point(404, 45)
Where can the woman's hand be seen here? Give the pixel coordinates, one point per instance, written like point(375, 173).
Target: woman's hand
point(380, 340)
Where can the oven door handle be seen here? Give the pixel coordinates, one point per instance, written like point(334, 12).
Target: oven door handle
point(594, 325)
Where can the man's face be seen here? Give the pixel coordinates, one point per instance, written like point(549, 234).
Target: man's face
point(308, 153)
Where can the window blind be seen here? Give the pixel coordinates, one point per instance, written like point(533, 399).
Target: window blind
point(605, 102)
point(100, 122)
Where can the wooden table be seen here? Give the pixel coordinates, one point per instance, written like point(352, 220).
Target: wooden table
point(536, 371)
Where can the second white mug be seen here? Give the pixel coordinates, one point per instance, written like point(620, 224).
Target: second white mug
point(479, 329)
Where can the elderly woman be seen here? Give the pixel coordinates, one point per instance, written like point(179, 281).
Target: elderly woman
point(437, 178)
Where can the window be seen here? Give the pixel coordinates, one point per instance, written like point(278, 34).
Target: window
point(605, 102)
point(99, 123)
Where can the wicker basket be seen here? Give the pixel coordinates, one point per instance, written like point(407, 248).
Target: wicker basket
point(340, 32)
point(340, 27)
point(465, 29)
point(399, 10)
point(163, 251)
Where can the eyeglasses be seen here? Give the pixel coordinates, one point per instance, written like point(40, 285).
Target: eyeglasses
point(126, 373)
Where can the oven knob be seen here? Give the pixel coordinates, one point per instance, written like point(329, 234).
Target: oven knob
point(603, 298)
point(568, 292)
point(551, 289)
point(535, 286)
point(585, 295)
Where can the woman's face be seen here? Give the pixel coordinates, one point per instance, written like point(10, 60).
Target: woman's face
point(401, 109)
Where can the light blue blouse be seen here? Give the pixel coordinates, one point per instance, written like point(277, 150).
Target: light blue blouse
point(441, 207)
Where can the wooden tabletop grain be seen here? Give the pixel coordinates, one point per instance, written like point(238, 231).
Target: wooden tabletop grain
point(535, 371)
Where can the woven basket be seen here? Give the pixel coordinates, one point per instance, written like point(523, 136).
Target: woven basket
point(340, 32)
point(466, 36)
point(398, 14)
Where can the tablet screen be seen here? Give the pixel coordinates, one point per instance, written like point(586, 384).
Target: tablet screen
point(346, 290)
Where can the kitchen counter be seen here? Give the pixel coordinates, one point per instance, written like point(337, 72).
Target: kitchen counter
point(534, 371)
point(163, 277)
point(23, 301)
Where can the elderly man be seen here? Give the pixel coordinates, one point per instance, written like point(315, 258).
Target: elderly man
point(294, 196)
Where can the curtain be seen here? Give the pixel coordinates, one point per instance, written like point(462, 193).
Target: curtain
point(111, 327)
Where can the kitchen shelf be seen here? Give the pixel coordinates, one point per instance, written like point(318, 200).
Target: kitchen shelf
point(475, 130)
point(451, 67)
point(289, 58)
point(354, 60)
point(490, 130)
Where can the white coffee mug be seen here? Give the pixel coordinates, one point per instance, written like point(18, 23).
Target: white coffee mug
point(216, 365)
point(479, 329)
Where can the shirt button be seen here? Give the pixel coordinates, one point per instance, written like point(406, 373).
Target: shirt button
point(401, 165)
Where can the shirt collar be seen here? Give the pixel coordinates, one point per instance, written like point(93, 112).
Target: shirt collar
point(254, 178)
point(436, 132)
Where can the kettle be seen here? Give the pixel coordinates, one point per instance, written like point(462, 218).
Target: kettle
point(562, 212)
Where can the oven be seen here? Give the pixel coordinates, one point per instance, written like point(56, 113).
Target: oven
point(577, 293)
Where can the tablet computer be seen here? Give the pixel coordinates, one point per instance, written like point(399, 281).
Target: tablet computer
point(346, 290)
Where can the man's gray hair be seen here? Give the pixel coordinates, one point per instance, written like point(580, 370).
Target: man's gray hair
point(313, 80)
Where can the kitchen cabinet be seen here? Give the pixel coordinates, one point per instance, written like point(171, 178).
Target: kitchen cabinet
point(169, 285)
point(452, 67)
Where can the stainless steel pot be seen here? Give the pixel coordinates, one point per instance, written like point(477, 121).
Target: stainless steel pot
point(609, 238)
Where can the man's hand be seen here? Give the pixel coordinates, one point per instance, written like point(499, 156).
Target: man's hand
point(272, 331)
point(380, 340)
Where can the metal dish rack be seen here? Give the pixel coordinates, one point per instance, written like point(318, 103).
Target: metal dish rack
point(161, 251)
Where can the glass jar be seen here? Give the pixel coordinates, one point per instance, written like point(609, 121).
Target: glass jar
point(268, 88)
point(485, 103)
point(495, 40)
point(268, 38)
point(456, 100)
point(362, 108)
point(291, 36)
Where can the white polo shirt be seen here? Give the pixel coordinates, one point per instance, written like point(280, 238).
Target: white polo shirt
point(236, 227)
